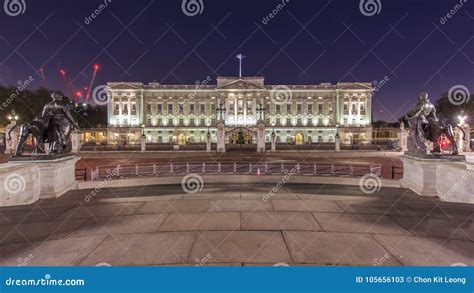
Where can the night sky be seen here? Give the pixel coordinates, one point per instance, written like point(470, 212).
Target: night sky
point(306, 42)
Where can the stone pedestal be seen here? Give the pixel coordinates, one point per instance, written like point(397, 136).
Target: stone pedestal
point(403, 139)
point(446, 179)
point(208, 142)
point(10, 144)
point(29, 179)
point(261, 137)
point(273, 137)
point(338, 143)
point(459, 137)
point(220, 136)
point(143, 143)
point(75, 141)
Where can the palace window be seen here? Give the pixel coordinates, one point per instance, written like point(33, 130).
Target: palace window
point(299, 108)
point(159, 122)
point(249, 107)
point(310, 108)
point(191, 121)
point(160, 139)
point(125, 109)
point(231, 107)
point(362, 107)
point(320, 108)
point(298, 122)
point(181, 122)
point(148, 120)
point(191, 108)
point(278, 109)
point(354, 108)
point(148, 108)
point(310, 122)
point(181, 108)
point(170, 108)
point(117, 109)
point(203, 122)
point(203, 108)
point(240, 105)
point(170, 121)
point(330, 108)
point(320, 121)
point(320, 138)
point(160, 108)
point(278, 122)
point(346, 108)
point(288, 108)
point(288, 121)
point(134, 109)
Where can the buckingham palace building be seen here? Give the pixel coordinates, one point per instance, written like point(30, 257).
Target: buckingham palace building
point(184, 114)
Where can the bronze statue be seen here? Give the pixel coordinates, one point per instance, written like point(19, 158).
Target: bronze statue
point(53, 126)
point(425, 126)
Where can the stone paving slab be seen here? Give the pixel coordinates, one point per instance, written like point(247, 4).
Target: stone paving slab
point(335, 248)
point(120, 225)
point(308, 205)
point(174, 206)
point(241, 246)
point(361, 223)
point(237, 205)
point(66, 252)
point(437, 228)
point(202, 221)
point(420, 251)
point(36, 231)
point(143, 249)
point(278, 221)
point(36, 214)
point(101, 210)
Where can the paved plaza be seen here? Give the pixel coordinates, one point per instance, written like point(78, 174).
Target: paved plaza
point(238, 225)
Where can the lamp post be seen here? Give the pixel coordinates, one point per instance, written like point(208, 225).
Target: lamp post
point(12, 117)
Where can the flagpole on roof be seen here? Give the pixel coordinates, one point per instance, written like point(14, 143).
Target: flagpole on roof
point(240, 57)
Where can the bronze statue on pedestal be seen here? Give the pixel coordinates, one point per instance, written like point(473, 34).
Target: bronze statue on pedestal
point(53, 126)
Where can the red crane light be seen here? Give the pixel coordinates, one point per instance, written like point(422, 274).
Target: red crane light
point(96, 67)
point(62, 72)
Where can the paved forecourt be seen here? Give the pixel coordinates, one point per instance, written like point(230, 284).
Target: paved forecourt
point(238, 225)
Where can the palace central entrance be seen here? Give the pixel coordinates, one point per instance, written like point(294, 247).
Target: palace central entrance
point(240, 136)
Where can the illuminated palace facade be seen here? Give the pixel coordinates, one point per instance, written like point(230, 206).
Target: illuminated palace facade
point(183, 114)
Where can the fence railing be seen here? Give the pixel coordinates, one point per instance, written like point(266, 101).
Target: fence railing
point(264, 168)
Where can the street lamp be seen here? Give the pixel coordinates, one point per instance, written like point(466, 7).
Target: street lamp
point(12, 117)
point(462, 119)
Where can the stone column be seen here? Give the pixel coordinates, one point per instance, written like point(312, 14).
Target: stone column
point(10, 144)
point(459, 137)
point(75, 141)
point(221, 136)
point(208, 142)
point(143, 143)
point(403, 138)
point(467, 139)
point(338, 142)
point(273, 141)
point(261, 137)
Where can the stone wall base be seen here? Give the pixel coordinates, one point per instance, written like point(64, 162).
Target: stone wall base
point(450, 181)
point(24, 182)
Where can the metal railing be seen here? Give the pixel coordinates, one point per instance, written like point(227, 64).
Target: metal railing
point(263, 168)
